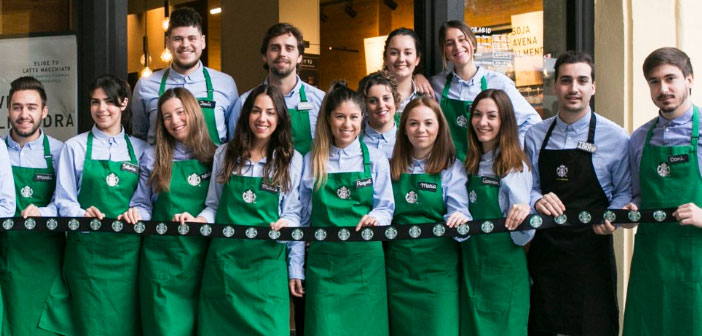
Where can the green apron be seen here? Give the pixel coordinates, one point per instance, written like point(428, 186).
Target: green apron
point(457, 113)
point(495, 288)
point(346, 293)
point(423, 272)
point(665, 286)
point(300, 118)
point(207, 104)
point(100, 269)
point(170, 267)
point(245, 282)
point(30, 262)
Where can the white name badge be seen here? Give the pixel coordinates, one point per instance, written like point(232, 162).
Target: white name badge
point(304, 106)
point(587, 147)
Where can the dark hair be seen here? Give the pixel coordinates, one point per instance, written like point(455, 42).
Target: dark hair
point(184, 17)
point(443, 153)
point(406, 32)
point(280, 149)
point(667, 55)
point(282, 29)
point(117, 90)
point(463, 27)
point(511, 156)
point(378, 78)
point(27, 83)
point(571, 57)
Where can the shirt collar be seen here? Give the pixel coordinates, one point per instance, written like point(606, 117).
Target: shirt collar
point(581, 125)
point(490, 156)
point(98, 134)
point(182, 148)
point(474, 80)
point(38, 143)
point(198, 74)
point(388, 135)
point(295, 89)
point(417, 163)
point(681, 120)
point(351, 150)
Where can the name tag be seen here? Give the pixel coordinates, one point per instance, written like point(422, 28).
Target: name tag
point(269, 188)
point(586, 147)
point(209, 104)
point(682, 158)
point(304, 106)
point(128, 167)
point(490, 181)
point(43, 177)
point(427, 186)
point(363, 183)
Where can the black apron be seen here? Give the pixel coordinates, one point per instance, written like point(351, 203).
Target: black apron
point(573, 269)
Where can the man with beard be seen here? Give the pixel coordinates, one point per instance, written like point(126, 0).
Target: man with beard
point(579, 161)
point(216, 91)
point(282, 51)
point(33, 259)
point(665, 286)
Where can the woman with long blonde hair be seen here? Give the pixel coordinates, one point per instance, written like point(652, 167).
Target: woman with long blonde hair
point(345, 184)
point(429, 187)
point(174, 176)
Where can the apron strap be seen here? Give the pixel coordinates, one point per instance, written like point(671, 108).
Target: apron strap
point(162, 88)
point(89, 147)
point(483, 83)
point(366, 158)
point(591, 130)
point(447, 86)
point(548, 134)
point(303, 96)
point(132, 157)
point(695, 127)
point(47, 153)
point(208, 83)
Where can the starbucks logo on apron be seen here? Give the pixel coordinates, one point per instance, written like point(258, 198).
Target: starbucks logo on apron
point(411, 197)
point(343, 192)
point(227, 232)
point(249, 196)
point(194, 180)
point(473, 196)
point(26, 192)
point(415, 231)
point(462, 121)
point(390, 233)
point(562, 171)
point(344, 234)
point(663, 169)
point(206, 230)
point(112, 180)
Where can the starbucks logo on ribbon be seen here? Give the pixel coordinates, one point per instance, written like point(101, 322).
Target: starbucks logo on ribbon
point(297, 234)
point(487, 226)
point(139, 227)
point(634, 215)
point(320, 234)
point(228, 231)
point(584, 217)
point(415, 231)
point(344, 234)
point(561, 219)
point(659, 215)
point(161, 228)
point(439, 230)
point(206, 230)
point(274, 234)
point(51, 224)
point(95, 224)
point(390, 233)
point(463, 229)
point(117, 226)
point(251, 233)
point(367, 234)
point(536, 221)
point(8, 224)
point(183, 229)
point(30, 223)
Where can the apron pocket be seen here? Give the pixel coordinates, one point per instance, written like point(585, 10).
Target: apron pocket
point(160, 257)
point(272, 279)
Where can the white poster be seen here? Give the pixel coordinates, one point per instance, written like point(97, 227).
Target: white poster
point(54, 61)
point(374, 47)
point(528, 47)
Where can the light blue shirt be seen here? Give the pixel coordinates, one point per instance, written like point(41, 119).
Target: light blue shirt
point(384, 142)
point(7, 184)
point(289, 201)
point(611, 160)
point(69, 173)
point(676, 132)
point(349, 159)
point(406, 101)
point(467, 90)
point(31, 155)
point(145, 197)
point(145, 98)
point(515, 188)
point(292, 99)
point(453, 183)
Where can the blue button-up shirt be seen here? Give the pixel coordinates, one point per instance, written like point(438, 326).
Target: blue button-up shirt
point(292, 99)
point(611, 160)
point(342, 160)
point(384, 142)
point(146, 95)
point(289, 201)
point(676, 132)
point(7, 184)
point(69, 174)
point(467, 90)
point(31, 155)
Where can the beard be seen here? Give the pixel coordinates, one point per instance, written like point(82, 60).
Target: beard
point(679, 103)
point(26, 134)
point(185, 66)
point(281, 73)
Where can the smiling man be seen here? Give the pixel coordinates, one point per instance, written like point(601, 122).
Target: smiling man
point(664, 295)
point(579, 161)
point(216, 91)
point(282, 51)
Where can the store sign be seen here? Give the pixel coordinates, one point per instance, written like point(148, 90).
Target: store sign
point(528, 47)
point(53, 61)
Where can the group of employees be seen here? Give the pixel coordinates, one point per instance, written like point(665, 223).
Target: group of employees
point(463, 145)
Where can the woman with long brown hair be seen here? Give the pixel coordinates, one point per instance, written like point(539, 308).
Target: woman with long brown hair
point(174, 176)
point(244, 283)
point(429, 187)
point(345, 184)
point(495, 288)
